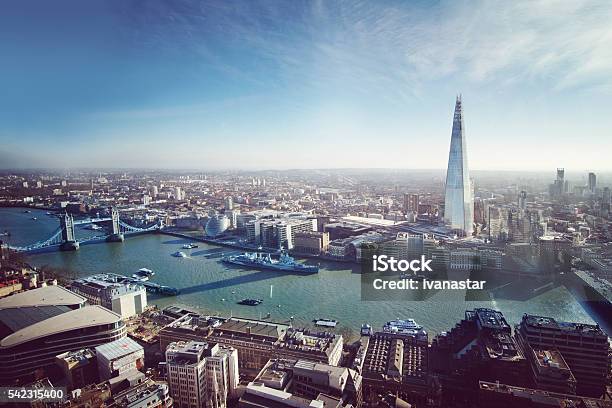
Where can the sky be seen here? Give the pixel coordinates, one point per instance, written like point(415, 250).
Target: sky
point(305, 84)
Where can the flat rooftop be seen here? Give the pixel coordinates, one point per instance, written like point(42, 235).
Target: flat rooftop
point(46, 296)
point(249, 327)
point(550, 358)
point(118, 348)
point(544, 397)
point(551, 323)
point(371, 221)
point(488, 318)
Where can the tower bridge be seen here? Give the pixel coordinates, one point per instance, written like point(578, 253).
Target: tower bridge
point(65, 238)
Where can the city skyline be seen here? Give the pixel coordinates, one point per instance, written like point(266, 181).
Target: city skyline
point(215, 86)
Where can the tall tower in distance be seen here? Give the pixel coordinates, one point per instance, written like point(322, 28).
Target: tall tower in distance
point(592, 182)
point(458, 198)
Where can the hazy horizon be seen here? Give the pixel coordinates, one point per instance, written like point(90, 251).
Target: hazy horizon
point(305, 85)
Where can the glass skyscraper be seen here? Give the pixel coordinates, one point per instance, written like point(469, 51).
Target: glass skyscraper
point(458, 198)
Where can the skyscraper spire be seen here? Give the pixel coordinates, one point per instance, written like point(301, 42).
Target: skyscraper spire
point(458, 199)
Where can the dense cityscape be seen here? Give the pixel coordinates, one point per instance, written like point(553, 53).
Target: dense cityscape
point(108, 340)
point(305, 204)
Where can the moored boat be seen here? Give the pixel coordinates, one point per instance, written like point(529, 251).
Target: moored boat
point(326, 322)
point(250, 302)
point(284, 263)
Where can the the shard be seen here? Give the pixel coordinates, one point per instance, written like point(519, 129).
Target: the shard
point(458, 199)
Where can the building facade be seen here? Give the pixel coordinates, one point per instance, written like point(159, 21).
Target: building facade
point(126, 299)
point(201, 374)
point(458, 194)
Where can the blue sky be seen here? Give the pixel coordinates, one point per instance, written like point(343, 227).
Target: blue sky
point(305, 84)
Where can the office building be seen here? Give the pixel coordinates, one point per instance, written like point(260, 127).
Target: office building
point(311, 242)
point(132, 390)
point(341, 230)
point(33, 335)
point(126, 299)
point(458, 194)
point(395, 363)
point(185, 372)
point(592, 182)
point(584, 347)
point(78, 367)
point(201, 374)
point(560, 185)
point(179, 194)
point(153, 190)
point(232, 215)
point(222, 375)
point(522, 200)
point(300, 383)
point(256, 341)
point(549, 371)
point(118, 357)
point(278, 232)
point(479, 348)
point(411, 203)
point(147, 394)
point(495, 394)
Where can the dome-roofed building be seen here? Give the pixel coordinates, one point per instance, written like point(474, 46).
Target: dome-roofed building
point(216, 225)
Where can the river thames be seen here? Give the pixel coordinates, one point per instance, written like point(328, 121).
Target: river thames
point(214, 287)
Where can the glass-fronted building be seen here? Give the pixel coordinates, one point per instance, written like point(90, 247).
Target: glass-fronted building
point(458, 197)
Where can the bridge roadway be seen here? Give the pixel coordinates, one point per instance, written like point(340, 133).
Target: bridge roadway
point(55, 241)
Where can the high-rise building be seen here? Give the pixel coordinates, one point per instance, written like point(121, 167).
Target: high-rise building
point(411, 203)
point(592, 182)
point(178, 193)
point(185, 370)
point(201, 374)
point(522, 200)
point(154, 191)
point(584, 347)
point(560, 185)
point(458, 198)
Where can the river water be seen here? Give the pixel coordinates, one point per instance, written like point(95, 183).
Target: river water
point(214, 287)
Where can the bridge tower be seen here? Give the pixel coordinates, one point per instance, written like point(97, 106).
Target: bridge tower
point(69, 242)
point(116, 235)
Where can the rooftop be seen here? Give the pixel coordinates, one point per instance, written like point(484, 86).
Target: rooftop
point(79, 357)
point(488, 318)
point(370, 221)
point(118, 348)
point(13, 320)
point(253, 328)
point(544, 398)
point(47, 296)
point(551, 323)
point(106, 282)
point(550, 358)
point(88, 316)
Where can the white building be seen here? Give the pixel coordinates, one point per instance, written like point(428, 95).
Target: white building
point(221, 376)
point(126, 299)
point(201, 374)
point(178, 194)
point(118, 357)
